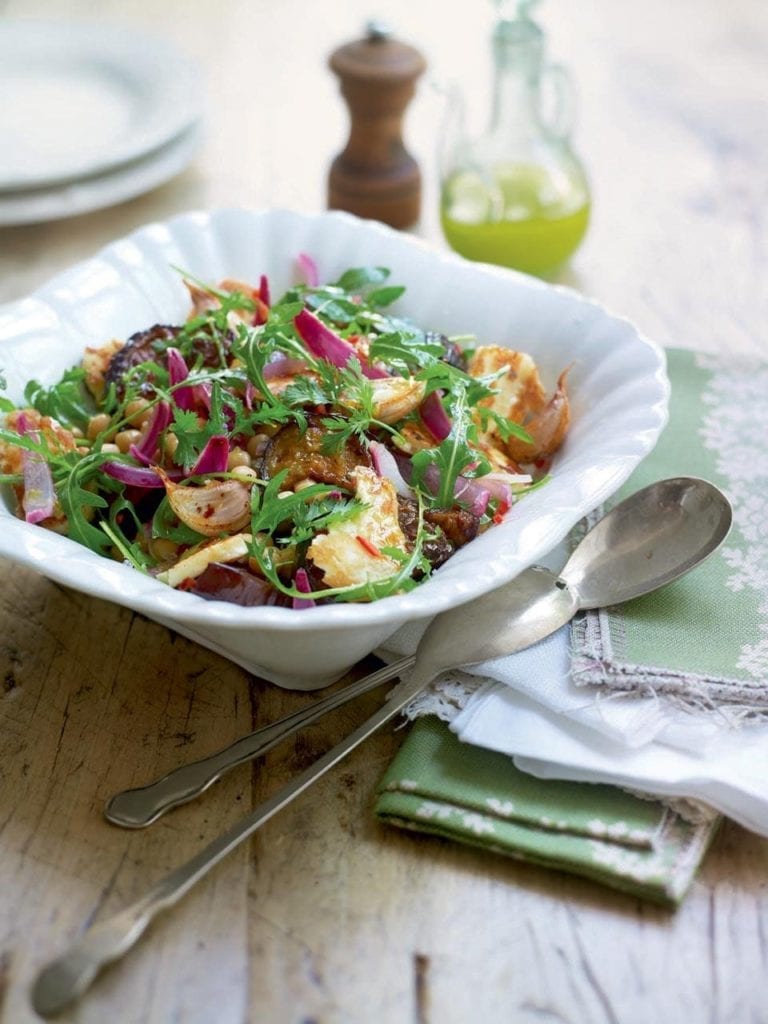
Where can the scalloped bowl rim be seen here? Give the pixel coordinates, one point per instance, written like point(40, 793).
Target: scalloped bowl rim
point(96, 575)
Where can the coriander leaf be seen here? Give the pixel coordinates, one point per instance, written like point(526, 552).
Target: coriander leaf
point(312, 515)
point(305, 391)
point(188, 433)
point(298, 516)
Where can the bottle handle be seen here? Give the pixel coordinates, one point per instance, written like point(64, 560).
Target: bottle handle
point(560, 83)
point(452, 125)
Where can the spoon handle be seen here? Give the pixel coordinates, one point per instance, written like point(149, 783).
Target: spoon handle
point(66, 978)
point(137, 808)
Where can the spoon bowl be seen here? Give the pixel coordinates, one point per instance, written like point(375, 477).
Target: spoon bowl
point(651, 538)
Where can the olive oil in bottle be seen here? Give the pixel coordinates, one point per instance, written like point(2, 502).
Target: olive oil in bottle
point(518, 196)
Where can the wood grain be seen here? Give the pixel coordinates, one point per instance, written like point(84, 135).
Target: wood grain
point(326, 916)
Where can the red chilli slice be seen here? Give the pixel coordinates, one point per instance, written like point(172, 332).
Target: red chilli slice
point(366, 545)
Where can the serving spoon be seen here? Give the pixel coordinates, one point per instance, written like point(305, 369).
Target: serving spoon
point(651, 538)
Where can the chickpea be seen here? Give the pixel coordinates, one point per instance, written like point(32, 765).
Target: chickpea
point(246, 473)
point(138, 411)
point(110, 449)
point(125, 438)
point(170, 444)
point(163, 550)
point(237, 457)
point(97, 425)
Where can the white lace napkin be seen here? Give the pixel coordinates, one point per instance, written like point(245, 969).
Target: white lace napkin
point(542, 673)
point(732, 776)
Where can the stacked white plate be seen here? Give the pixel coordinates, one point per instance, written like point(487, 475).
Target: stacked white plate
point(91, 115)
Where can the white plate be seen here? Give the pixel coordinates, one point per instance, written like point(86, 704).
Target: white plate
point(117, 186)
point(618, 386)
point(81, 99)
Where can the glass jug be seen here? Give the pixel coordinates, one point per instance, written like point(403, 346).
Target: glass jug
point(518, 195)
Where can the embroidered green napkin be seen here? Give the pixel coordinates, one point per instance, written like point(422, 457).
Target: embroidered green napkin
point(438, 785)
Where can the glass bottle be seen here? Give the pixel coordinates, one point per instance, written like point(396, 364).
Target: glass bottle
point(518, 195)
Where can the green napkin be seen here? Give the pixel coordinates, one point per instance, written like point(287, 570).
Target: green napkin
point(443, 787)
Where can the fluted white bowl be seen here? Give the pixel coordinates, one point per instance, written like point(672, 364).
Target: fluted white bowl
point(618, 386)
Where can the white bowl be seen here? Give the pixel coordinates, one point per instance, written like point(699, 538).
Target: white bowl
point(618, 387)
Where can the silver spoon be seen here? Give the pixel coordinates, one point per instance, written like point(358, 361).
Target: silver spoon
point(651, 538)
point(639, 546)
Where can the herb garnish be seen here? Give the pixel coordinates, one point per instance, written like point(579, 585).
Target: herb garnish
point(229, 393)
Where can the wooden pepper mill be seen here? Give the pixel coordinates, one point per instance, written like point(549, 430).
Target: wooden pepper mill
point(375, 176)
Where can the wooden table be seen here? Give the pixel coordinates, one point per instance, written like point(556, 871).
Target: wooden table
point(327, 916)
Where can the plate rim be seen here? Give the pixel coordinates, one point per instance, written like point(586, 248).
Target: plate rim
point(171, 76)
point(99, 192)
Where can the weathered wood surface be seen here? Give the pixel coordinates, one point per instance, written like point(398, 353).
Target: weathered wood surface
point(326, 916)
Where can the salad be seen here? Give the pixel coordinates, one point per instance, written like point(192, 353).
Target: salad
point(311, 449)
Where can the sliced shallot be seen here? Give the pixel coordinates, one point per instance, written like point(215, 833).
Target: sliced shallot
point(39, 494)
point(215, 507)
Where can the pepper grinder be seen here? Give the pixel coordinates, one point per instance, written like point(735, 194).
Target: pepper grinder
point(375, 176)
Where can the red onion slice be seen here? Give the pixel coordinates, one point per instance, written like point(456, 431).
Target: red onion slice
point(301, 582)
point(308, 269)
point(473, 493)
point(434, 417)
point(213, 458)
point(136, 476)
point(39, 494)
point(178, 371)
point(284, 367)
point(147, 448)
point(326, 344)
point(264, 290)
point(386, 466)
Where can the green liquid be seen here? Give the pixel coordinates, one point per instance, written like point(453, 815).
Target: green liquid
point(515, 216)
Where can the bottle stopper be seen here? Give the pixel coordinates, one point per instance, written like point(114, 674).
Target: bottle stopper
point(375, 176)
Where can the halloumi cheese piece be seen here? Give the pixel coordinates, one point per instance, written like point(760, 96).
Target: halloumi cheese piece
point(350, 553)
point(519, 390)
point(191, 566)
point(520, 397)
point(96, 362)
